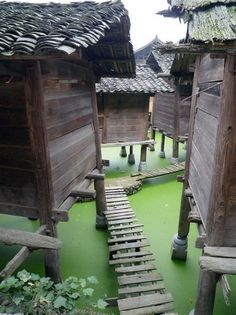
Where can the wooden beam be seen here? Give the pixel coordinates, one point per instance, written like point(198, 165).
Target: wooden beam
point(29, 239)
point(83, 193)
point(121, 144)
point(219, 265)
point(95, 176)
point(226, 252)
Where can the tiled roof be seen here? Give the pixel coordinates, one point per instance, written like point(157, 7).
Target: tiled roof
point(209, 20)
point(35, 29)
point(146, 82)
point(163, 61)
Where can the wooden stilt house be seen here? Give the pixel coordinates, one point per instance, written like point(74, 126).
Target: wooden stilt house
point(209, 189)
point(123, 107)
point(50, 57)
point(171, 112)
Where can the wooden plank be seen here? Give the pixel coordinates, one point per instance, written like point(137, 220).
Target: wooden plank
point(124, 227)
point(127, 232)
point(159, 309)
point(32, 240)
point(129, 143)
point(120, 222)
point(142, 288)
point(114, 188)
point(211, 69)
point(135, 269)
point(136, 279)
point(126, 239)
point(144, 301)
point(218, 264)
point(132, 254)
point(126, 246)
point(118, 212)
point(120, 207)
point(120, 217)
point(130, 260)
point(83, 193)
point(215, 251)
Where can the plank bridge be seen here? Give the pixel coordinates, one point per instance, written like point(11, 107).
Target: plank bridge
point(141, 288)
point(159, 172)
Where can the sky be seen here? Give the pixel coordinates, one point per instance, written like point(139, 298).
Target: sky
point(145, 23)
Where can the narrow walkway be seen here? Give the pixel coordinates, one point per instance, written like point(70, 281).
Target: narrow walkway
point(159, 172)
point(141, 288)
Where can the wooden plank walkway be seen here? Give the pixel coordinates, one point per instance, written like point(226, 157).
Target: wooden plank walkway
point(141, 287)
point(159, 172)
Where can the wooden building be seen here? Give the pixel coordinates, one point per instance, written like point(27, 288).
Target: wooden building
point(171, 112)
point(141, 54)
point(209, 188)
point(50, 56)
point(123, 108)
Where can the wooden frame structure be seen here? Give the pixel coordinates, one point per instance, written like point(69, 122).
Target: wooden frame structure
point(49, 139)
point(208, 197)
point(123, 108)
point(171, 112)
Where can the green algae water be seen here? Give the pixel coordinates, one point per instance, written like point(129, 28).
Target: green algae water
point(85, 251)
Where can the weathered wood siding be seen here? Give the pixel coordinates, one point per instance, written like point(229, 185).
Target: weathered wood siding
point(123, 117)
point(69, 118)
point(205, 131)
point(184, 109)
point(163, 112)
point(17, 176)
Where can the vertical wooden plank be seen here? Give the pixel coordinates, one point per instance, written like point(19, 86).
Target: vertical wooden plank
point(39, 142)
point(175, 152)
point(99, 185)
point(223, 158)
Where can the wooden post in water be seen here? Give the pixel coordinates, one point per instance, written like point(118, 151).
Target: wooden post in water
point(152, 146)
point(39, 142)
point(123, 152)
point(143, 158)
point(162, 152)
point(99, 185)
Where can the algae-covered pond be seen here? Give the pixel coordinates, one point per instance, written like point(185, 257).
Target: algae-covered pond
point(85, 253)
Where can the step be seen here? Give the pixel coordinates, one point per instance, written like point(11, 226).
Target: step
point(126, 246)
point(120, 207)
point(126, 239)
point(137, 268)
point(144, 301)
point(115, 213)
point(127, 232)
point(120, 217)
point(132, 254)
point(142, 288)
point(150, 310)
point(118, 211)
point(136, 279)
point(130, 260)
point(125, 221)
point(126, 227)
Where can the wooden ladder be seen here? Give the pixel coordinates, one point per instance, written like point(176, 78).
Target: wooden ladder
point(141, 288)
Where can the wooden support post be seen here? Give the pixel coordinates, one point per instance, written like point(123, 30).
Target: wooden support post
point(99, 185)
point(143, 158)
point(162, 152)
point(39, 141)
point(152, 146)
point(206, 292)
point(175, 152)
point(123, 152)
point(131, 157)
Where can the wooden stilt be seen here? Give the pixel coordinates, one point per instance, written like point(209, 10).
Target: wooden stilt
point(162, 152)
point(131, 158)
point(143, 158)
point(36, 118)
point(152, 146)
point(206, 292)
point(175, 152)
point(98, 183)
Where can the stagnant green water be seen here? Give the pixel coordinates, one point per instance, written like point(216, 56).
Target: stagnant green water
point(85, 253)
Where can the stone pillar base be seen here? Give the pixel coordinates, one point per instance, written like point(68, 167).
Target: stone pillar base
point(179, 248)
point(131, 159)
point(162, 154)
point(142, 166)
point(174, 160)
point(101, 222)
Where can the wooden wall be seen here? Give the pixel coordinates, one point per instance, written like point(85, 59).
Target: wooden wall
point(17, 176)
point(163, 112)
point(185, 92)
point(205, 131)
point(69, 120)
point(123, 117)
